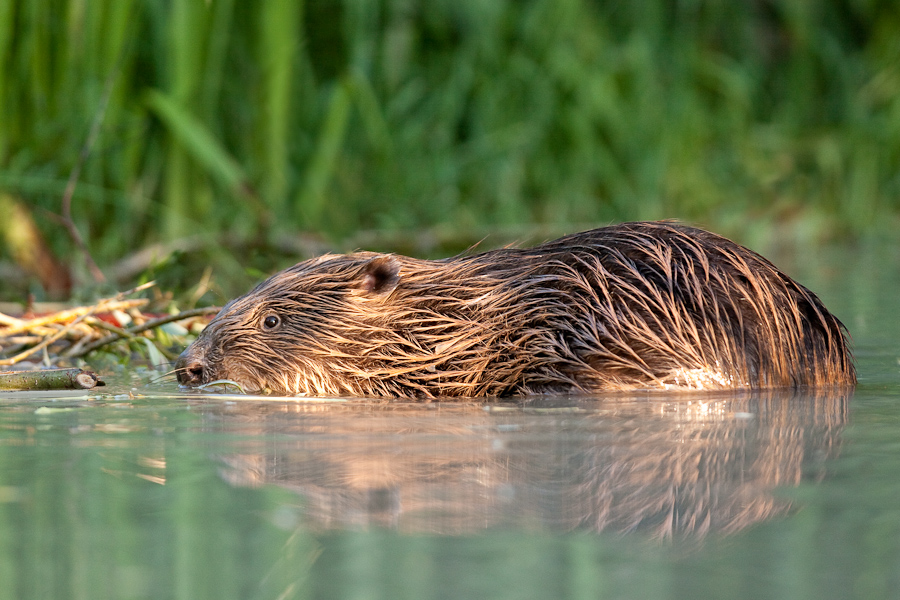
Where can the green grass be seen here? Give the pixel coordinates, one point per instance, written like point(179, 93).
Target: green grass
point(244, 121)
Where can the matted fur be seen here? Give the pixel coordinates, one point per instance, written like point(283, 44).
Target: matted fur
point(632, 306)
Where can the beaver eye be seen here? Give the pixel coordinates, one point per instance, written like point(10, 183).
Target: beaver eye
point(271, 322)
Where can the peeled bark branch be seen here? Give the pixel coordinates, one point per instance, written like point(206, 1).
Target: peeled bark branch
point(74, 313)
point(53, 379)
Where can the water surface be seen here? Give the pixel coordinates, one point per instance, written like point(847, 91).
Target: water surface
point(142, 491)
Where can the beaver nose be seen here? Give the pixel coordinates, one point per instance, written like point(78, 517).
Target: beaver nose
point(188, 371)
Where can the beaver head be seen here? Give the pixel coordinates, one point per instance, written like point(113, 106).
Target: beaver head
point(300, 331)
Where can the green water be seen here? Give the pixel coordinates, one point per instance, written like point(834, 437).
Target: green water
point(141, 491)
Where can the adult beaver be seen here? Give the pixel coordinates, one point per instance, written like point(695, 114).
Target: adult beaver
point(632, 306)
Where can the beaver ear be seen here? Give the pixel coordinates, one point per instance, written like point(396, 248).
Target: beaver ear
point(380, 276)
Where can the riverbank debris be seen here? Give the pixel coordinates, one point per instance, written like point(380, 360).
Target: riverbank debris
point(71, 333)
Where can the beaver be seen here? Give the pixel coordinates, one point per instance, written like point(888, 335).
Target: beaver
point(647, 305)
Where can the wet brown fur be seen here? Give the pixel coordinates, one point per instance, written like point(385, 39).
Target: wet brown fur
point(632, 306)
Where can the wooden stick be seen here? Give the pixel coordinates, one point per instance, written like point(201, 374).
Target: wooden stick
point(52, 379)
point(9, 321)
point(47, 341)
point(132, 331)
point(80, 311)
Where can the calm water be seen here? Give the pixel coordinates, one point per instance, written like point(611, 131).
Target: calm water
point(167, 495)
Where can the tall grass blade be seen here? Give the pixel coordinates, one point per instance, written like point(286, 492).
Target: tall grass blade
point(197, 140)
point(7, 73)
point(279, 43)
point(311, 199)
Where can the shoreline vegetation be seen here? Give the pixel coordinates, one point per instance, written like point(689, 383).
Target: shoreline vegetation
point(206, 144)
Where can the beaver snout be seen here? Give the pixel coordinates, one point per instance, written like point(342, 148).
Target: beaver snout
point(188, 369)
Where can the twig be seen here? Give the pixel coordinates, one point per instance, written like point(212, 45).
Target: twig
point(132, 331)
point(187, 314)
point(80, 311)
point(52, 379)
point(9, 321)
point(101, 324)
point(26, 353)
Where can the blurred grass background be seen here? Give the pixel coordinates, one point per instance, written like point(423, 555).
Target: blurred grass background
point(242, 131)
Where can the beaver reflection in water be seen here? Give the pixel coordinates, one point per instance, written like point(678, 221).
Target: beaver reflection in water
point(632, 306)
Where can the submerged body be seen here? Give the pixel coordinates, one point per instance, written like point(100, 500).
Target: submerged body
point(626, 307)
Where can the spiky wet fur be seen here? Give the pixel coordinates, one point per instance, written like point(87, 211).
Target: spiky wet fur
point(632, 306)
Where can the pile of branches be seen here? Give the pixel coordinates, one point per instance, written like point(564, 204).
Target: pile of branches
point(66, 335)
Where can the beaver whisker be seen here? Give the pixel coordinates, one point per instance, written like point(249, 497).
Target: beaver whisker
point(165, 375)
